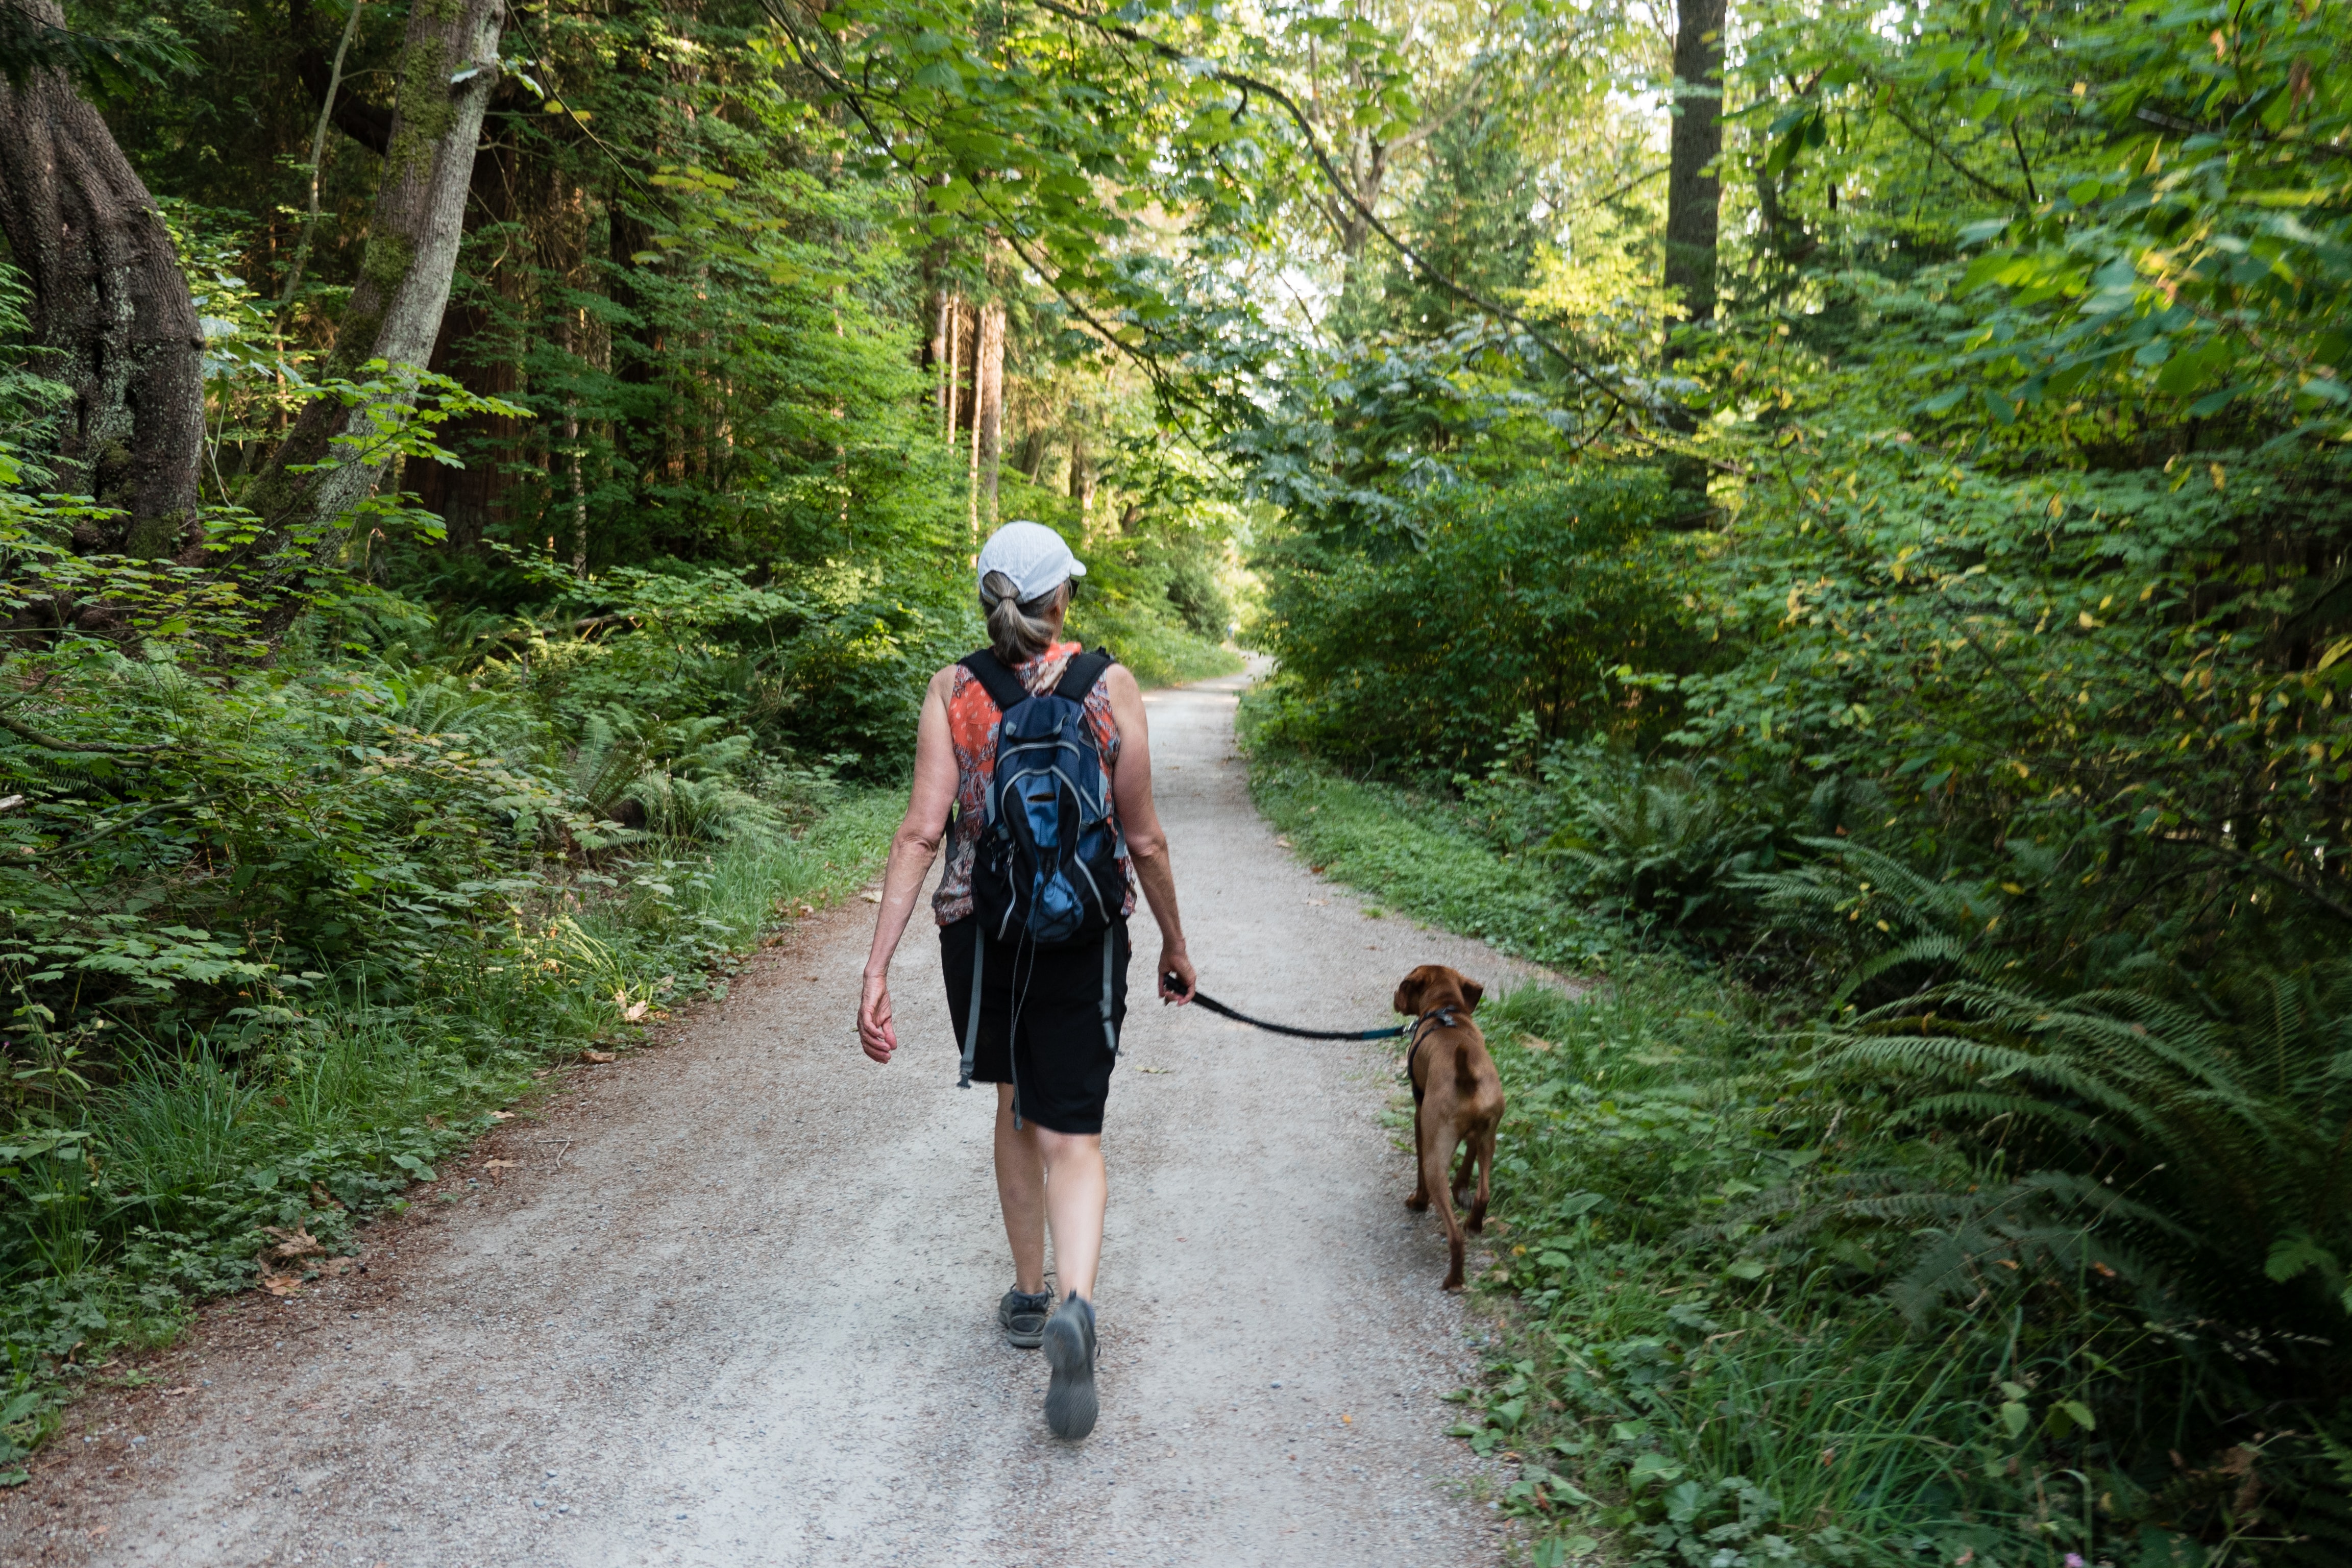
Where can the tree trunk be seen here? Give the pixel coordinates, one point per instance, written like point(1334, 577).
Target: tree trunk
point(363, 123)
point(989, 382)
point(110, 308)
point(1082, 479)
point(938, 359)
point(1032, 460)
point(1693, 197)
point(450, 66)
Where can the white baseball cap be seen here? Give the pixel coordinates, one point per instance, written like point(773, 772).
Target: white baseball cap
point(1033, 555)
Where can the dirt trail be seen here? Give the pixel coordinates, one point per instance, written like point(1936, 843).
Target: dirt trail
point(736, 1303)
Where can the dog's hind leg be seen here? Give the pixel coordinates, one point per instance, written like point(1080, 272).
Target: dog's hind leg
point(1482, 1143)
point(1433, 1151)
point(1462, 1172)
point(1420, 1199)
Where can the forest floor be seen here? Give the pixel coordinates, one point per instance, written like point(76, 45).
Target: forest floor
point(732, 1299)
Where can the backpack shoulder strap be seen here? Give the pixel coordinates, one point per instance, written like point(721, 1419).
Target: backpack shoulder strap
point(1004, 687)
point(1079, 677)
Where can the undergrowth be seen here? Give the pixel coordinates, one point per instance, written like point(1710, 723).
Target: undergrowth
point(1410, 853)
point(234, 1154)
point(1972, 1277)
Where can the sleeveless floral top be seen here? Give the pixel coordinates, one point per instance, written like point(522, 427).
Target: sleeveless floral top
point(971, 727)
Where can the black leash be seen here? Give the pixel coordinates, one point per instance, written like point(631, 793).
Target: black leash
point(1223, 1011)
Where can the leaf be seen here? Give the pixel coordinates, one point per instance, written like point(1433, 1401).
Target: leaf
point(2296, 1252)
point(2015, 1418)
point(1653, 1467)
point(600, 1056)
point(633, 1013)
point(292, 1243)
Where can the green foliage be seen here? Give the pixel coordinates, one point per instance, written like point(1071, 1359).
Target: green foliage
point(1405, 852)
point(147, 1166)
point(1528, 600)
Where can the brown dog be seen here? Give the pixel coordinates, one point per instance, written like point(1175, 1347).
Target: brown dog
point(1458, 1097)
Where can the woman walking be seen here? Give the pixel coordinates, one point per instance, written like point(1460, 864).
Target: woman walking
point(1038, 1018)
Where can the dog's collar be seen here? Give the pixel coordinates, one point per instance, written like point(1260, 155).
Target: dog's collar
point(1444, 1016)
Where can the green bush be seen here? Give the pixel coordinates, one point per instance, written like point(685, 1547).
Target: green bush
point(1525, 600)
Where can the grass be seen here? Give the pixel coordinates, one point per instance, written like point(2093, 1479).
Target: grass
point(1669, 1393)
point(1410, 854)
point(166, 1185)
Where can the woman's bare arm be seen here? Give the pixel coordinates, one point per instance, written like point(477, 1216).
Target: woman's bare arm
point(1147, 842)
point(912, 849)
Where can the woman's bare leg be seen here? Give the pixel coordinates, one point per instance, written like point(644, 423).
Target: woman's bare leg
point(1021, 1191)
point(1076, 1189)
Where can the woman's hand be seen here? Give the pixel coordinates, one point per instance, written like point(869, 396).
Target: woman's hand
point(874, 1030)
point(1173, 961)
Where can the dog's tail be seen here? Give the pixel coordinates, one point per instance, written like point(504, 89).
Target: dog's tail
point(1464, 1079)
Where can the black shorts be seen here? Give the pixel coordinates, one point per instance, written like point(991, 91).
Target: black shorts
point(1059, 1053)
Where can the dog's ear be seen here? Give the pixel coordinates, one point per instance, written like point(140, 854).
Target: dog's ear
point(1407, 999)
point(1471, 992)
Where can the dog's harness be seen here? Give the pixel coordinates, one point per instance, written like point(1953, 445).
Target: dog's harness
point(1445, 1020)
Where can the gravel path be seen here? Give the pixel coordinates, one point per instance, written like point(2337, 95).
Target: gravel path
point(735, 1304)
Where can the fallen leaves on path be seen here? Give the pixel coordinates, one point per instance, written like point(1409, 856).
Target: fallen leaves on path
point(607, 1056)
point(292, 1243)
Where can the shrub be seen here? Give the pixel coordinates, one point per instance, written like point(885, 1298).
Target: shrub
point(1527, 600)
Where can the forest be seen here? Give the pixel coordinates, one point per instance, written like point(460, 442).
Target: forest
point(1832, 520)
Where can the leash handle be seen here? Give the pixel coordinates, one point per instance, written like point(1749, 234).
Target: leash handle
point(1203, 998)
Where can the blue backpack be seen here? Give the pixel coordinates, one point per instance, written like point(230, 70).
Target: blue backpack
point(1048, 862)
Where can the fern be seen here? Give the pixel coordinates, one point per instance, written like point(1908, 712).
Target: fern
point(2194, 1140)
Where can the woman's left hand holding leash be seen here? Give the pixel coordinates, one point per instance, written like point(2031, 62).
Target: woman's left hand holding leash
point(874, 1030)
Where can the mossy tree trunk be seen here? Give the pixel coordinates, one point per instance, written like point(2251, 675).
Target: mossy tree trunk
point(449, 69)
point(109, 307)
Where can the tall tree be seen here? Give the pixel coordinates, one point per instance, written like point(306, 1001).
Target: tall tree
point(449, 68)
point(1694, 193)
point(109, 305)
point(989, 390)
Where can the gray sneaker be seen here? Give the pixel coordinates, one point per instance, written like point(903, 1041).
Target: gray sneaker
point(1023, 1317)
point(1070, 1406)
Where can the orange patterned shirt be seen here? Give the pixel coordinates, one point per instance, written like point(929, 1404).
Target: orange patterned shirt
point(971, 729)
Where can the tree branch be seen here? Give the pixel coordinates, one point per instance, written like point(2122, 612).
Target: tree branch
point(1937, 148)
point(100, 748)
point(1322, 161)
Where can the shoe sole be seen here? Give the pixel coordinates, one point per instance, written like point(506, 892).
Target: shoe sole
point(1021, 1341)
point(1070, 1404)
